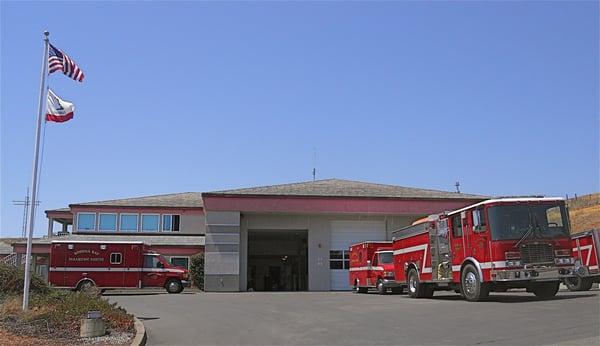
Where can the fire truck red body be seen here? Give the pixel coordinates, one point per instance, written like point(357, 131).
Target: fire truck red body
point(586, 252)
point(110, 265)
point(493, 245)
point(372, 266)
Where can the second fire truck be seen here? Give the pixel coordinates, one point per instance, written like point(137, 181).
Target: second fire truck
point(493, 245)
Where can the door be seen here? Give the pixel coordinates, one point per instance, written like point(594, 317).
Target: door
point(457, 245)
point(344, 234)
point(153, 273)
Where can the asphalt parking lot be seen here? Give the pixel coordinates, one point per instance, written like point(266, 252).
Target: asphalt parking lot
point(345, 318)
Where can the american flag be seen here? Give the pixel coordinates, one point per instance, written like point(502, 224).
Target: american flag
point(59, 61)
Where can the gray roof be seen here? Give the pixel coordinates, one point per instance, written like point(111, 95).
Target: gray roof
point(346, 188)
point(148, 239)
point(182, 200)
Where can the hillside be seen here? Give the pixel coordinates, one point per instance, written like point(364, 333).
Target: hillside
point(584, 212)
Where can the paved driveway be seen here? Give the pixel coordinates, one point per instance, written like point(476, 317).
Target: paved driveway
point(513, 318)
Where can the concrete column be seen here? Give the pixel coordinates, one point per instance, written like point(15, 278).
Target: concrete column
point(64, 227)
point(222, 252)
point(50, 226)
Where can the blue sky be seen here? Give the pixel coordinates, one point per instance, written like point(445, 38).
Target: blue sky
point(197, 96)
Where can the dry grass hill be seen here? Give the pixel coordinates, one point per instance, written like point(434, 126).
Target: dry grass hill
point(584, 212)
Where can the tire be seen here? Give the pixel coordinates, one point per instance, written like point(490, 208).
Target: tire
point(85, 286)
point(358, 289)
point(174, 286)
point(472, 288)
point(578, 284)
point(380, 288)
point(546, 290)
point(417, 289)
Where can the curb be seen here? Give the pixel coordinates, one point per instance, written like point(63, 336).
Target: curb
point(140, 333)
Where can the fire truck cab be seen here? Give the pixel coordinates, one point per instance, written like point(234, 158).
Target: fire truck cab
point(372, 266)
point(586, 253)
point(493, 245)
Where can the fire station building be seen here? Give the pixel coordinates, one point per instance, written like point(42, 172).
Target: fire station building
point(290, 237)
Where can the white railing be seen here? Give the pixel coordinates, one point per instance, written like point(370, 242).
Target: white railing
point(13, 259)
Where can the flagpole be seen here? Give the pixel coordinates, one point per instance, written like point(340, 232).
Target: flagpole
point(34, 178)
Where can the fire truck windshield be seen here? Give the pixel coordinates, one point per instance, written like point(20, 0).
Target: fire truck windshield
point(541, 220)
point(386, 257)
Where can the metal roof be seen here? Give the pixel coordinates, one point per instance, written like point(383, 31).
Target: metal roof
point(345, 188)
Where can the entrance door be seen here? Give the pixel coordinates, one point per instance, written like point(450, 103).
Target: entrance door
point(344, 234)
point(153, 275)
point(277, 260)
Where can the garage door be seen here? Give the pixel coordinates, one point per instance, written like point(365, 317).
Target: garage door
point(344, 234)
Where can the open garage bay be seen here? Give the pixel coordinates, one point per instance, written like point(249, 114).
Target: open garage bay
point(342, 318)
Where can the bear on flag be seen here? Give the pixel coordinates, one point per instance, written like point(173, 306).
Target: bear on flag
point(58, 110)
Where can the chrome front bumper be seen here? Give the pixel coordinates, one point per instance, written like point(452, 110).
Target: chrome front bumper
point(186, 283)
point(388, 283)
point(533, 274)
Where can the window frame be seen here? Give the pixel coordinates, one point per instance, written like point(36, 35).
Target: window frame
point(137, 223)
point(162, 223)
point(481, 227)
point(462, 231)
point(345, 259)
point(95, 223)
point(186, 257)
point(141, 225)
point(120, 258)
point(116, 222)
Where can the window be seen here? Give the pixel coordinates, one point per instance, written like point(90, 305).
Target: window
point(456, 226)
point(386, 257)
point(116, 258)
point(170, 223)
point(180, 261)
point(478, 220)
point(151, 261)
point(554, 217)
point(339, 259)
point(150, 222)
point(86, 221)
point(129, 222)
point(107, 222)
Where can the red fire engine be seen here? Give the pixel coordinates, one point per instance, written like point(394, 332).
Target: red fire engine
point(372, 266)
point(586, 253)
point(493, 245)
point(108, 265)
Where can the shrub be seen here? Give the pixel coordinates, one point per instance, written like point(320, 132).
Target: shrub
point(12, 280)
point(197, 270)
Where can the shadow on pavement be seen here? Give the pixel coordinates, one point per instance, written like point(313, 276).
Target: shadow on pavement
point(508, 298)
point(147, 318)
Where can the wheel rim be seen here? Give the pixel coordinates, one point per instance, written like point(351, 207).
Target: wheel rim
point(470, 283)
point(412, 284)
point(173, 286)
point(380, 286)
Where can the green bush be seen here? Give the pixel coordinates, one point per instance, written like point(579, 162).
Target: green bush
point(197, 270)
point(12, 280)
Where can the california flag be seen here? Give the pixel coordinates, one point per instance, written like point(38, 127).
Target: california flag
point(58, 110)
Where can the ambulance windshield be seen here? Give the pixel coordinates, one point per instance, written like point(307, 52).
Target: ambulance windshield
point(385, 257)
point(533, 220)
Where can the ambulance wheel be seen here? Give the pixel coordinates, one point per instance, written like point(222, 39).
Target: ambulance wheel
point(85, 286)
point(381, 289)
point(174, 286)
point(358, 289)
point(472, 288)
point(546, 290)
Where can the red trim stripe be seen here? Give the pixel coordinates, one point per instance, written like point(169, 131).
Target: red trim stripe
point(59, 118)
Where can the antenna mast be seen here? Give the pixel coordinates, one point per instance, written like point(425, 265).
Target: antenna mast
point(25, 203)
point(457, 185)
point(314, 171)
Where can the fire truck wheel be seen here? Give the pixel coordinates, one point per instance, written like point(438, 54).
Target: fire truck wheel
point(578, 284)
point(380, 288)
point(546, 290)
point(358, 289)
point(472, 287)
point(417, 289)
point(174, 286)
point(587, 284)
